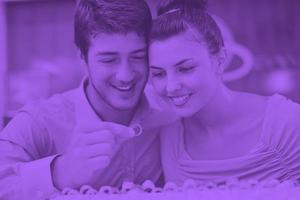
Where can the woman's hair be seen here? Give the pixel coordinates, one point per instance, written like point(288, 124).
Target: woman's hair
point(178, 16)
point(109, 16)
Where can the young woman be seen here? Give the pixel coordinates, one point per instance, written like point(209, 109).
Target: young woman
point(223, 134)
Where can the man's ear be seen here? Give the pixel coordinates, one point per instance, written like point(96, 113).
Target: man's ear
point(81, 56)
point(150, 81)
point(83, 62)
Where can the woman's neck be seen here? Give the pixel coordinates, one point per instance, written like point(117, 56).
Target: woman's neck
point(105, 111)
point(220, 111)
point(227, 109)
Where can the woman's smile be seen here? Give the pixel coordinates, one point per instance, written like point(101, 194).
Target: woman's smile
point(180, 100)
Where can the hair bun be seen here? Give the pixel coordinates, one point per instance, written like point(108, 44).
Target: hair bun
point(166, 6)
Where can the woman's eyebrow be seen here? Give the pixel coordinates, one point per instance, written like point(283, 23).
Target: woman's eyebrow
point(182, 61)
point(177, 64)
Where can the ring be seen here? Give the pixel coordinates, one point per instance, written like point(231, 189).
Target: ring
point(137, 128)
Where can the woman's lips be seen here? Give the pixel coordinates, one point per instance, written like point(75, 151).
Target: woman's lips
point(180, 100)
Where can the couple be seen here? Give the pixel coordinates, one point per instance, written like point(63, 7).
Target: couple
point(84, 136)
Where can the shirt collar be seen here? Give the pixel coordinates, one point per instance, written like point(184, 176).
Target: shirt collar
point(86, 115)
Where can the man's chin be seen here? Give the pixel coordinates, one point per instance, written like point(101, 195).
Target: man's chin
point(124, 105)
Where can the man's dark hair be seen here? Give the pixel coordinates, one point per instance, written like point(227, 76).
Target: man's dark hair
point(93, 17)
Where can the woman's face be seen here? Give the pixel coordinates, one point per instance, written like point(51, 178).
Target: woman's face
point(183, 73)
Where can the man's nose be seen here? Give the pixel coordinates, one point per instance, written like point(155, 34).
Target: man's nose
point(125, 73)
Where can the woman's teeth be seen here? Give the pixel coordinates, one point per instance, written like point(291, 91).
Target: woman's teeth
point(180, 100)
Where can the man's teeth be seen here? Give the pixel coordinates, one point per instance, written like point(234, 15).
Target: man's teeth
point(127, 87)
point(180, 100)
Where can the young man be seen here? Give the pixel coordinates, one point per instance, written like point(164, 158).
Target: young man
point(83, 136)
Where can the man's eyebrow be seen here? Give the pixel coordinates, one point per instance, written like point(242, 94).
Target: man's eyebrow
point(139, 50)
point(107, 53)
point(182, 61)
point(152, 66)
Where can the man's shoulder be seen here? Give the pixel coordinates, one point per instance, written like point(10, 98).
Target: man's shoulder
point(57, 105)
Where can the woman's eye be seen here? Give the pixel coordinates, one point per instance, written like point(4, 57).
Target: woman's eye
point(139, 58)
point(158, 74)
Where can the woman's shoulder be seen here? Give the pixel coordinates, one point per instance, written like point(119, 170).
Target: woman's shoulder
point(283, 111)
point(283, 126)
point(282, 121)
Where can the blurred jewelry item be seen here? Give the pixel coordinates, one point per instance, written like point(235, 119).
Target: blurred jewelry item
point(137, 129)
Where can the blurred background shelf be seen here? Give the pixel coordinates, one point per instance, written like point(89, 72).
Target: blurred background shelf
point(38, 57)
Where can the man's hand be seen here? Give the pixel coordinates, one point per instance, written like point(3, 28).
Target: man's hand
point(88, 154)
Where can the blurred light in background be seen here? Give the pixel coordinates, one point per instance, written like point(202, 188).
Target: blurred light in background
point(3, 64)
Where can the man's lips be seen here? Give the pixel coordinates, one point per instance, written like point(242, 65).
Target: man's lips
point(124, 88)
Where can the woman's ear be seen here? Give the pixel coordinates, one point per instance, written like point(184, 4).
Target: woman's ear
point(221, 61)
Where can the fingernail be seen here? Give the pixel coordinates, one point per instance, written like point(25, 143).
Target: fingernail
point(137, 128)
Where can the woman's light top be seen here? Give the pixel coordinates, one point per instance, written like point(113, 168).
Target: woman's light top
point(275, 156)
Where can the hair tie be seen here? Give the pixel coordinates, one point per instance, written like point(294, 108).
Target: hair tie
point(171, 11)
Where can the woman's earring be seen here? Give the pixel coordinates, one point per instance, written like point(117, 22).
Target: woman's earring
point(220, 69)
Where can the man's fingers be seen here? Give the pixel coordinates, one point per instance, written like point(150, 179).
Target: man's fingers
point(102, 149)
point(98, 137)
point(107, 131)
point(100, 161)
point(119, 130)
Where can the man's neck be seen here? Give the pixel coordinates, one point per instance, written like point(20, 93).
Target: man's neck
point(107, 112)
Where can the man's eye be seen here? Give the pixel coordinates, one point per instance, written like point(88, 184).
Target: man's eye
point(108, 60)
point(185, 69)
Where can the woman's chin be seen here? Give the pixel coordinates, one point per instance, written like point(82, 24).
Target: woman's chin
point(184, 111)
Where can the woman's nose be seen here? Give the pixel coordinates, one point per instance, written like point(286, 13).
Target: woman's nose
point(173, 84)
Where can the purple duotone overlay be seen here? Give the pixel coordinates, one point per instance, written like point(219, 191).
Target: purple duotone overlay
point(43, 78)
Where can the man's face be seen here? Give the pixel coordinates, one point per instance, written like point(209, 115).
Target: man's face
point(118, 68)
